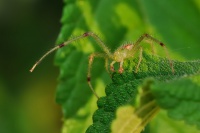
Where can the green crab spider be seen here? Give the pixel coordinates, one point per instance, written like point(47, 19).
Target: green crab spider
point(120, 54)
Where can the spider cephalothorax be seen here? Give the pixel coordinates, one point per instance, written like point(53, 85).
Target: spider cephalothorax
point(120, 54)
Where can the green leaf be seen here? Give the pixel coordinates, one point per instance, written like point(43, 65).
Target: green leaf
point(68, 93)
point(127, 121)
point(117, 21)
point(81, 119)
point(180, 98)
point(163, 124)
point(124, 87)
point(177, 22)
point(73, 66)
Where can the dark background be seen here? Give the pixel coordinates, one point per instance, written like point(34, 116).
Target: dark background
point(27, 102)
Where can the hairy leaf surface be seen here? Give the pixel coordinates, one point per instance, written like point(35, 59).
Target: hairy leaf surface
point(180, 98)
point(124, 87)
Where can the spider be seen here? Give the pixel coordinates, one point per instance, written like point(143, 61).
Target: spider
point(120, 54)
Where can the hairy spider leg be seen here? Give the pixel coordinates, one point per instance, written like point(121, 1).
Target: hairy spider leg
point(106, 65)
point(121, 67)
point(38, 62)
point(112, 66)
point(147, 36)
point(152, 46)
point(86, 34)
point(140, 59)
point(90, 62)
point(53, 49)
point(99, 42)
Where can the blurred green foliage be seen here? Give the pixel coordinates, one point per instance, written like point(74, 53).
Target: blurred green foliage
point(27, 30)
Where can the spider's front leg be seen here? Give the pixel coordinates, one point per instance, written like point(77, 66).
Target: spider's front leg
point(90, 61)
point(112, 66)
point(120, 66)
